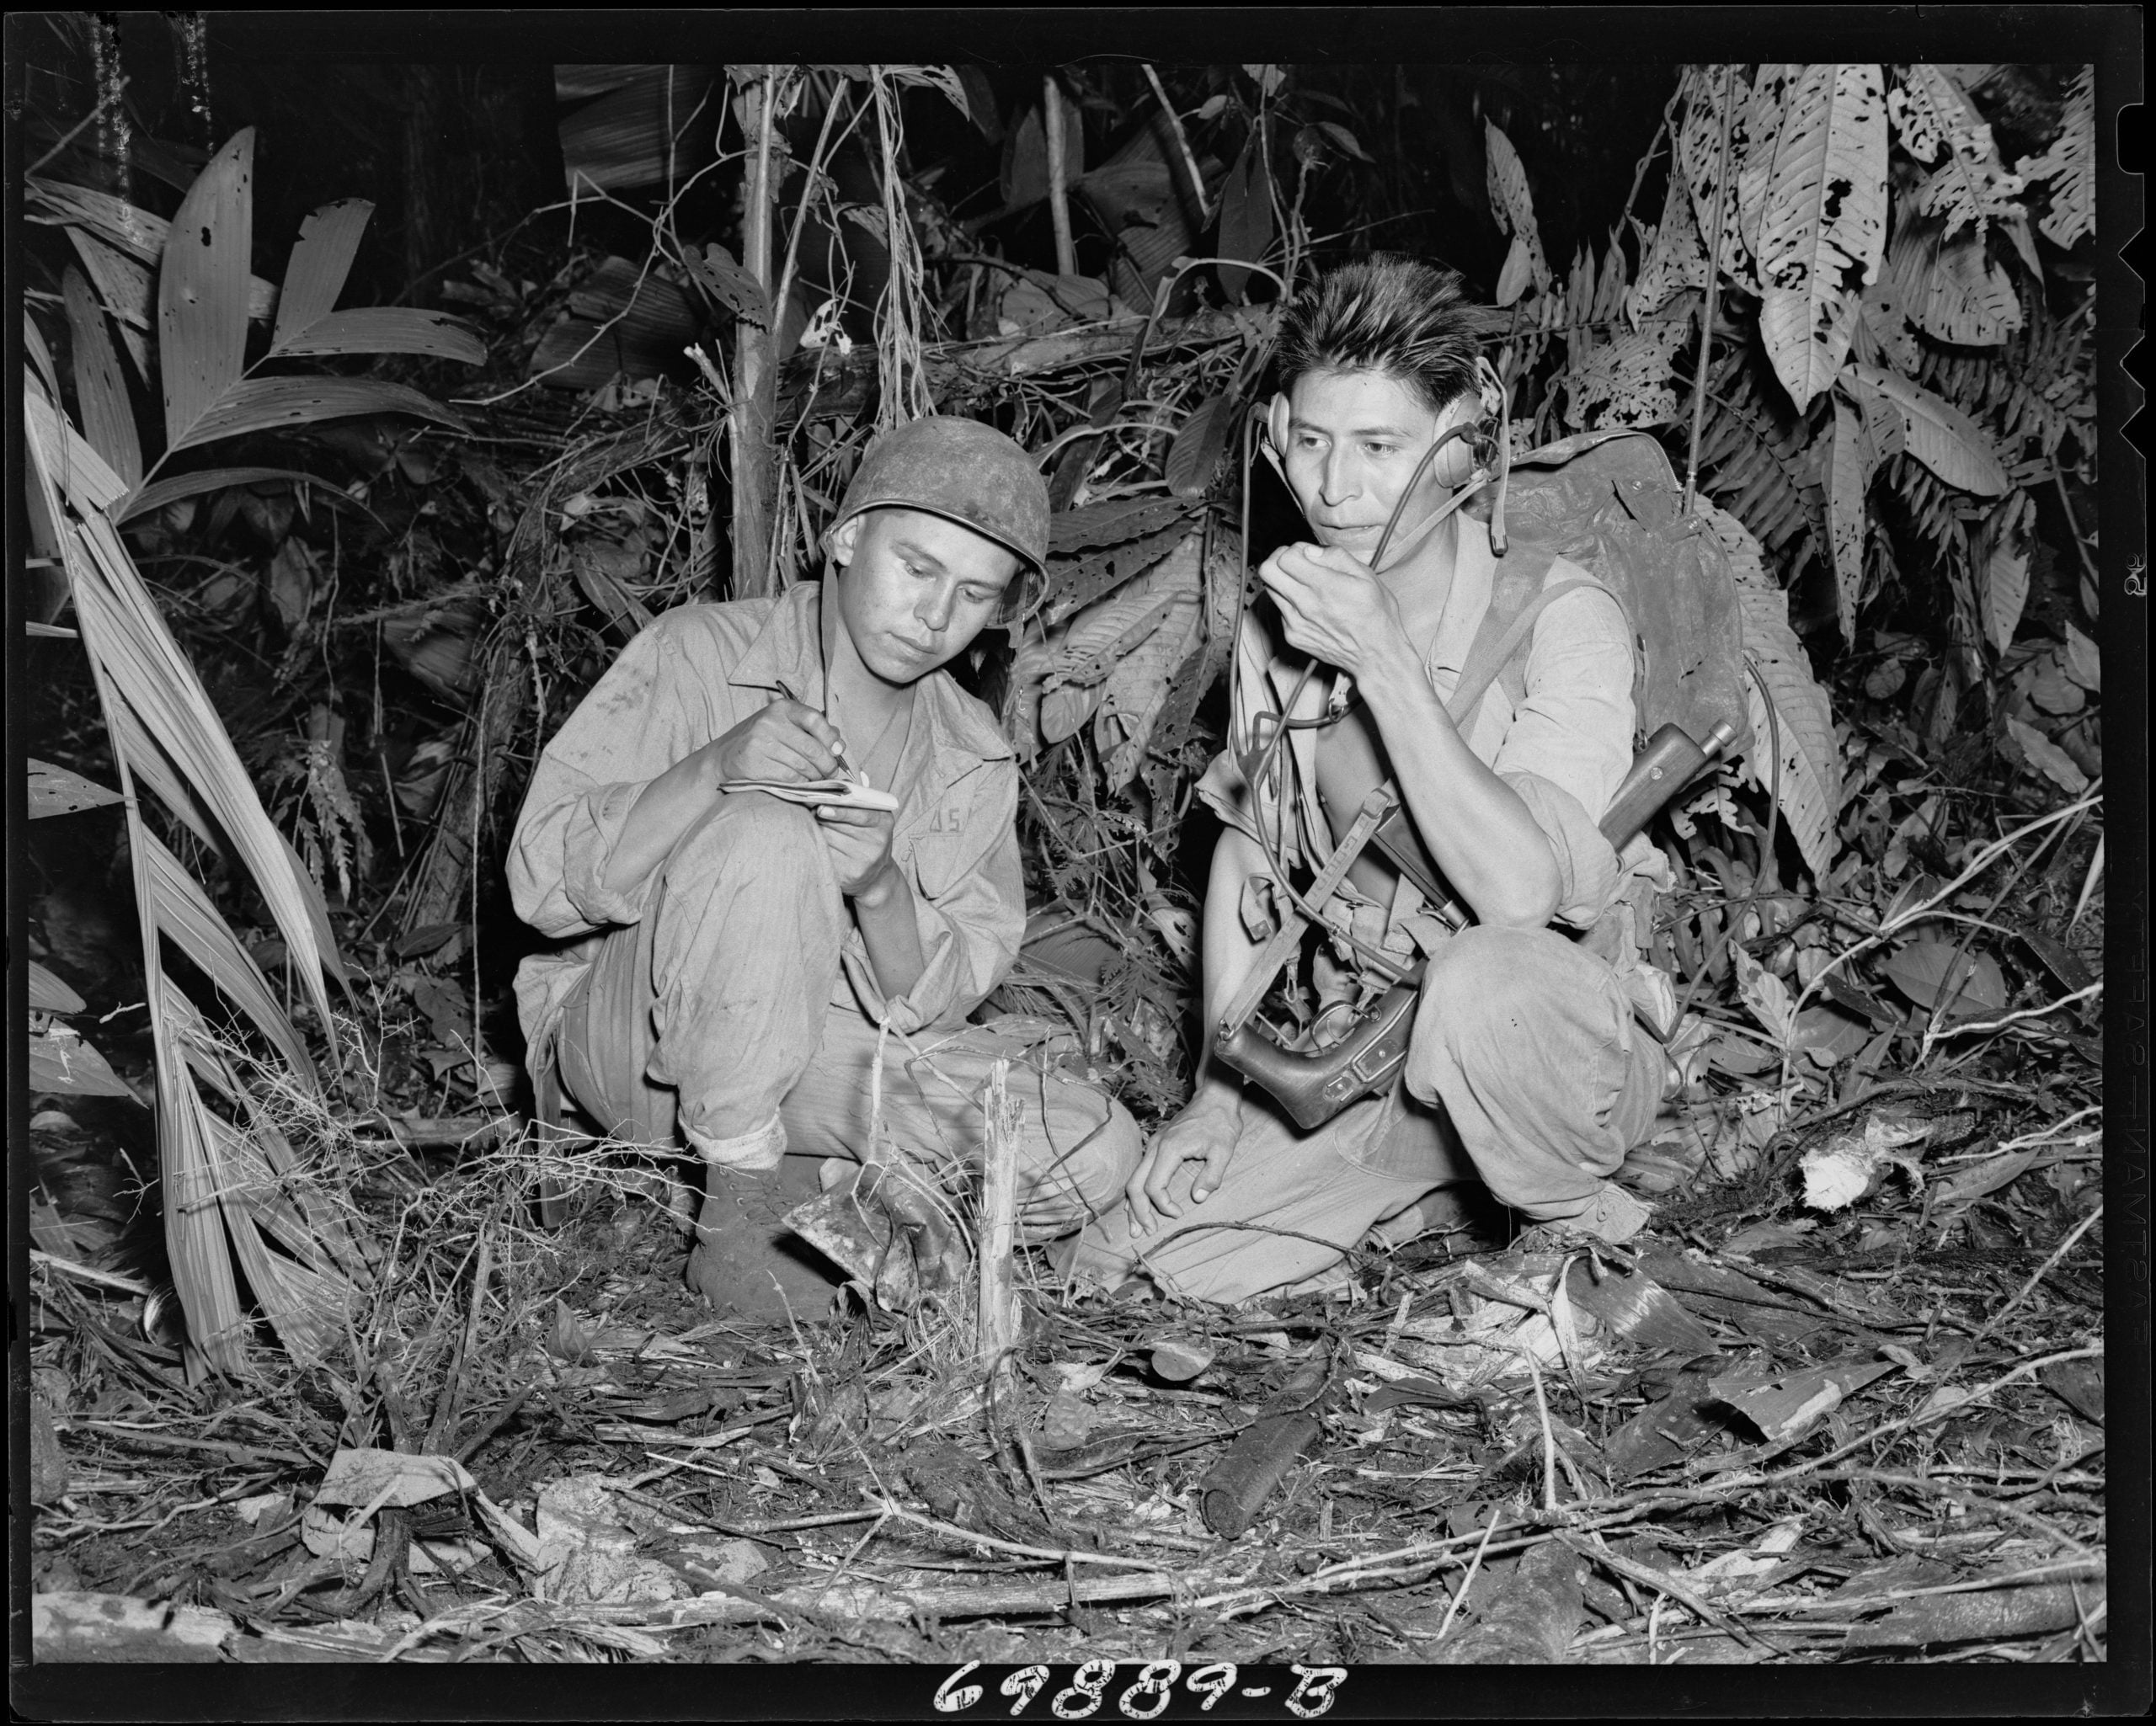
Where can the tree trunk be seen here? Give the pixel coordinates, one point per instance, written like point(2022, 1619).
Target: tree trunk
point(755, 370)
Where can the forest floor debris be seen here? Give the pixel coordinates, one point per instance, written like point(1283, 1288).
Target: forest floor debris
point(1760, 1434)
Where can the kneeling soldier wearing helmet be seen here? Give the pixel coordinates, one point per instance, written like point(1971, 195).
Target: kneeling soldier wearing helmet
point(731, 959)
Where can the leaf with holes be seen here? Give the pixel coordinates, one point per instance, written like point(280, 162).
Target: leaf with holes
point(315, 273)
point(1763, 115)
point(53, 790)
point(279, 403)
point(728, 284)
point(1628, 382)
point(202, 288)
point(1113, 523)
point(1705, 169)
point(1951, 288)
point(1513, 204)
point(1137, 689)
point(1673, 257)
point(1823, 232)
point(2068, 166)
point(1088, 653)
point(1078, 582)
point(1810, 764)
point(1937, 975)
point(1931, 115)
point(61, 1062)
point(1245, 225)
point(134, 233)
point(2003, 564)
point(1200, 442)
point(1845, 516)
point(1939, 434)
point(388, 329)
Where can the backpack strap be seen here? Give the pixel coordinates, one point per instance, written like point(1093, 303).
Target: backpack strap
point(1495, 643)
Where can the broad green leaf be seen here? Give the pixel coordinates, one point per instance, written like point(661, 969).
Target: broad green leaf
point(195, 1240)
point(2002, 567)
point(2048, 759)
point(1246, 224)
point(48, 993)
point(1807, 781)
point(128, 289)
point(1845, 518)
point(202, 288)
point(315, 273)
point(640, 134)
point(934, 77)
point(1200, 441)
point(61, 1062)
point(1512, 203)
point(2068, 166)
point(1879, 424)
point(1824, 231)
point(729, 284)
point(53, 790)
point(161, 492)
point(2082, 662)
point(135, 233)
point(1939, 434)
point(40, 356)
point(1955, 985)
point(1765, 994)
point(108, 416)
point(1830, 1036)
point(279, 403)
point(156, 695)
point(386, 329)
point(183, 912)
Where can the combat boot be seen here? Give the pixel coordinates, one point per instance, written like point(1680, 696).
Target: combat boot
point(746, 1263)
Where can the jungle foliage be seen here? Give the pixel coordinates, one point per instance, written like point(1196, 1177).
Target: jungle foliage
point(331, 616)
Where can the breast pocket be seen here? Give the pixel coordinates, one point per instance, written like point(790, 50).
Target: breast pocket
point(942, 853)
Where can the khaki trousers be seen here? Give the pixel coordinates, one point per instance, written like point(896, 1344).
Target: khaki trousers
point(1525, 1068)
point(724, 1007)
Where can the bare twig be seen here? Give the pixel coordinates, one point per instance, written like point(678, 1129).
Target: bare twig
point(1474, 1568)
point(2042, 1270)
point(1059, 200)
point(1182, 142)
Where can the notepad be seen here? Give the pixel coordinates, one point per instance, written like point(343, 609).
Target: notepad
point(844, 793)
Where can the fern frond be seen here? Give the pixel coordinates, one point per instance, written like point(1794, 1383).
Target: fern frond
point(1757, 461)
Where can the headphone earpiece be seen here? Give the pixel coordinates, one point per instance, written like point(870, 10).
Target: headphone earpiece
point(1276, 424)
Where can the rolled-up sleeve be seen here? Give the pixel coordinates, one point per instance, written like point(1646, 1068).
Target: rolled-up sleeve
point(1570, 744)
point(969, 900)
point(632, 726)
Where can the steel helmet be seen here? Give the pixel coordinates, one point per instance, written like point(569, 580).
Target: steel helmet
point(961, 470)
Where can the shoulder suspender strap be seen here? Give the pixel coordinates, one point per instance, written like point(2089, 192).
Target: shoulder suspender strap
point(1493, 646)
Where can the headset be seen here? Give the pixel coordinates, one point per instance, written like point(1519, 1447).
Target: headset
point(1464, 459)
